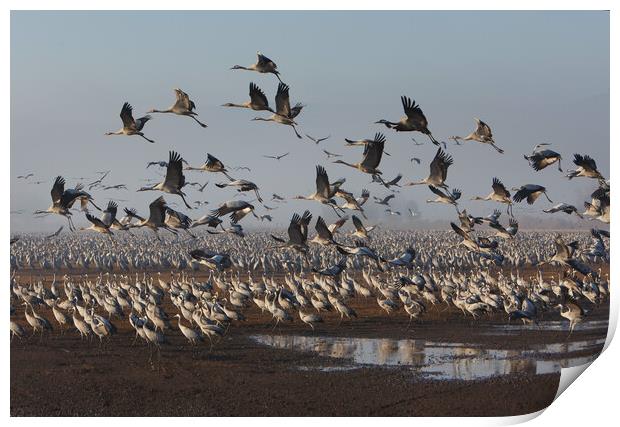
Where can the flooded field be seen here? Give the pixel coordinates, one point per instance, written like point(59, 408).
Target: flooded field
point(439, 360)
point(394, 366)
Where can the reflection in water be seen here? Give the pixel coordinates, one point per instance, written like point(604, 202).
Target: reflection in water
point(448, 361)
point(552, 325)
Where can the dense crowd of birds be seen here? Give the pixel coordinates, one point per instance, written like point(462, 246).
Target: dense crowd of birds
point(302, 272)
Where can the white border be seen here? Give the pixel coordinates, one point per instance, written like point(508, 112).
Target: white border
point(592, 399)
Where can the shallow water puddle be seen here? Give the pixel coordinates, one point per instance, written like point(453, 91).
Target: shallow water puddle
point(550, 325)
point(448, 361)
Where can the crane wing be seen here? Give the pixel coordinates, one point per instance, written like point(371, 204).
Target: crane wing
point(357, 223)
point(499, 188)
point(322, 230)
point(322, 181)
point(257, 96)
point(413, 112)
point(174, 172)
point(57, 189)
point(127, 117)
point(157, 210)
point(283, 106)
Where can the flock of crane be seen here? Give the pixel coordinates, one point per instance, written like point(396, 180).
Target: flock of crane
point(296, 276)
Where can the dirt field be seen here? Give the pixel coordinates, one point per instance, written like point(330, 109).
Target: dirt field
point(63, 376)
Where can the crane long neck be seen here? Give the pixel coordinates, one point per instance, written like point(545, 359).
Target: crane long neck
point(150, 188)
point(348, 164)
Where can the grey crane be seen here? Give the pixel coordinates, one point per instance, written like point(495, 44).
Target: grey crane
point(212, 164)
point(438, 170)
point(449, 198)
point(323, 235)
point(586, 168)
point(325, 191)
point(563, 207)
point(263, 65)
point(372, 157)
point(565, 256)
point(413, 121)
point(499, 194)
point(279, 157)
point(284, 114)
point(297, 233)
point(131, 126)
point(156, 219)
point(531, 192)
point(63, 200)
point(317, 140)
point(361, 231)
point(212, 260)
point(237, 209)
point(541, 158)
point(481, 134)
point(258, 101)
point(183, 106)
point(174, 181)
point(242, 185)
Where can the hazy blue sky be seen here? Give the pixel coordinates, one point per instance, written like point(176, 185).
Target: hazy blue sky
point(534, 77)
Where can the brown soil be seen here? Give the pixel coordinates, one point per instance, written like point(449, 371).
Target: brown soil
point(63, 376)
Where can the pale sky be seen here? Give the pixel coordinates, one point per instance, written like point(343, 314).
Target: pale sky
point(532, 76)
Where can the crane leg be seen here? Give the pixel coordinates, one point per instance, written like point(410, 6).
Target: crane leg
point(199, 122)
point(432, 138)
point(71, 226)
point(149, 140)
point(296, 133)
point(185, 201)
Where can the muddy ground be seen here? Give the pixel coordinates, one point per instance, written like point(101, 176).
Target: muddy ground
point(63, 376)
